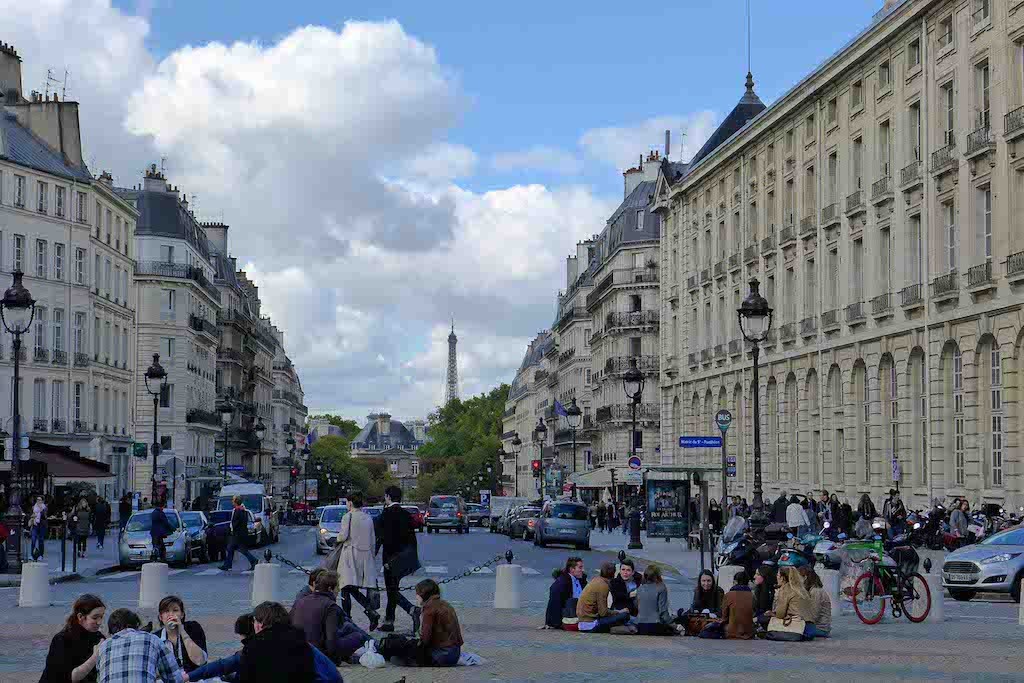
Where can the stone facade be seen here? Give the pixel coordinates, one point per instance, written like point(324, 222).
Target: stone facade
point(875, 203)
point(394, 443)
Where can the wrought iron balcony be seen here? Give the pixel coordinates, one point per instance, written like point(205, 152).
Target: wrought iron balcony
point(808, 227)
point(980, 275)
point(946, 285)
point(691, 282)
point(620, 364)
point(719, 350)
point(734, 261)
point(229, 354)
point(911, 295)
point(881, 305)
point(787, 235)
point(705, 355)
point(566, 356)
point(179, 270)
point(39, 424)
point(540, 376)
point(750, 253)
point(809, 326)
point(980, 140)
point(830, 319)
point(787, 332)
point(631, 319)
point(720, 269)
point(624, 412)
point(60, 357)
point(854, 201)
point(691, 359)
point(911, 174)
point(944, 156)
point(58, 425)
point(206, 417)
point(41, 355)
point(768, 244)
point(1015, 265)
point(705, 276)
point(81, 427)
point(855, 313)
point(200, 324)
point(81, 360)
point(830, 214)
point(735, 347)
point(881, 188)
point(1013, 121)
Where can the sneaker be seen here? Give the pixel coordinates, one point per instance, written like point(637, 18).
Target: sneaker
point(625, 630)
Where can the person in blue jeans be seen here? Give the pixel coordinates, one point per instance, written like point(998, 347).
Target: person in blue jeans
point(238, 538)
point(38, 522)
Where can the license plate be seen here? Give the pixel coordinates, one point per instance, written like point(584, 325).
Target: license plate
point(566, 532)
point(962, 577)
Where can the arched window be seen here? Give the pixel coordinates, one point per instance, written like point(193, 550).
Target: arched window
point(793, 426)
point(737, 431)
point(991, 359)
point(772, 399)
point(814, 423)
point(862, 394)
point(835, 401)
point(888, 382)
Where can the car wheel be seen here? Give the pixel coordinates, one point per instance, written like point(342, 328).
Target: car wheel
point(964, 596)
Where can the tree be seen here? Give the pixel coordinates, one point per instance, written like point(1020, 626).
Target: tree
point(349, 428)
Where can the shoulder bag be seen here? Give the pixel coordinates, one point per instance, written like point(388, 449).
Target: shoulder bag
point(788, 629)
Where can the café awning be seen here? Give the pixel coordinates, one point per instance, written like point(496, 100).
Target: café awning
point(64, 465)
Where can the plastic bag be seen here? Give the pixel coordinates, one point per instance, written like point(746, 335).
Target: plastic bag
point(371, 659)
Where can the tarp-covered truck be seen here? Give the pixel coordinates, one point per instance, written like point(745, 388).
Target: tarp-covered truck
point(501, 504)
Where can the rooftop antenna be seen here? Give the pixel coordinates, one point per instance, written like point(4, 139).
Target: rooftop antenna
point(50, 80)
point(64, 89)
point(748, 36)
point(163, 163)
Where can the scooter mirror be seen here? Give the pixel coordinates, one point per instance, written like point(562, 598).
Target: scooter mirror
point(828, 525)
point(917, 525)
point(789, 536)
point(842, 537)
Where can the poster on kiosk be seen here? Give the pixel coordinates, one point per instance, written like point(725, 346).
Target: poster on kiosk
point(668, 503)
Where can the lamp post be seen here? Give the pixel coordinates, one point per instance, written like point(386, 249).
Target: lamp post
point(261, 431)
point(540, 433)
point(227, 414)
point(305, 474)
point(574, 416)
point(517, 446)
point(755, 319)
point(633, 385)
point(17, 310)
point(156, 382)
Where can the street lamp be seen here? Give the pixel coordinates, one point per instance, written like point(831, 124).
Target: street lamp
point(574, 416)
point(540, 433)
point(261, 431)
point(755, 318)
point(633, 385)
point(17, 310)
point(517, 446)
point(227, 414)
point(305, 474)
point(156, 382)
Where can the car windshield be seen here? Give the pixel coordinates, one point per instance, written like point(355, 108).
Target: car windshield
point(332, 515)
point(373, 512)
point(144, 521)
point(250, 501)
point(1008, 537)
point(220, 516)
point(473, 507)
point(529, 513)
point(448, 503)
point(563, 511)
point(192, 519)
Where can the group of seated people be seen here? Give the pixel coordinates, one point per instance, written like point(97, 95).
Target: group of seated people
point(626, 602)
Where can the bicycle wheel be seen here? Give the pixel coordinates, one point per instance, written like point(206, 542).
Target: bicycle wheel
point(869, 598)
point(916, 598)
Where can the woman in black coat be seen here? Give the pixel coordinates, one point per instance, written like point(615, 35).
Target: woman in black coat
point(72, 655)
point(568, 586)
point(707, 595)
point(186, 638)
point(866, 509)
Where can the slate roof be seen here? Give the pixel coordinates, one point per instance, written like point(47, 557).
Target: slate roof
point(622, 225)
point(674, 171)
point(400, 436)
point(20, 146)
point(749, 106)
point(161, 214)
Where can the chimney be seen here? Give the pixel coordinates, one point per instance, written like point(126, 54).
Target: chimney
point(53, 122)
point(154, 180)
point(10, 74)
point(217, 233)
point(668, 143)
point(106, 179)
point(383, 424)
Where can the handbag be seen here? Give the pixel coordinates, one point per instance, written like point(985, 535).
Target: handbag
point(403, 563)
point(787, 629)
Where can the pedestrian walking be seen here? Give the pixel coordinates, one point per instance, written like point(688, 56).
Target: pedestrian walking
point(124, 511)
point(866, 509)
point(81, 522)
point(278, 651)
point(159, 529)
point(779, 508)
point(796, 517)
point(895, 513)
point(238, 538)
point(592, 512)
point(397, 538)
point(601, 516)
point(624, 516)
point(356, 563)
point(101, 520)
point(612, 522)
point(74, 650)
point(38, 524)
point(130, 655)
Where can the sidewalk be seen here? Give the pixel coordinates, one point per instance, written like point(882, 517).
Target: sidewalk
point(672, 555)
point(94, 561)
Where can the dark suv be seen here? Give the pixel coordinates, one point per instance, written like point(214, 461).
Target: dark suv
point(447, 512)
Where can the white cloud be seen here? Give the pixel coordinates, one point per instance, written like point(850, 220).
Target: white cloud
point(538, 158)
point(441, 162)
point(621, 146)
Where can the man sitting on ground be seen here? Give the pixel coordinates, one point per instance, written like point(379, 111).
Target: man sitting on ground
point(325, 624)
point(278, 651)
point(133, 656)
point(592, 608)
point(309, 587)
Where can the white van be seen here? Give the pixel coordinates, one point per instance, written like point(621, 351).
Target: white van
point(255, 500)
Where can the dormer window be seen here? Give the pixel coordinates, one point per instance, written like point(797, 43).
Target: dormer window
point(640, 219)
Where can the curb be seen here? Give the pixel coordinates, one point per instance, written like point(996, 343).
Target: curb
point(66, 578)
point(107, 570)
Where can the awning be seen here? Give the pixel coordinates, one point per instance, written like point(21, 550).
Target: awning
point(64, 463)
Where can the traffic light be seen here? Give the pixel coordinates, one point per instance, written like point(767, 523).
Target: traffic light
point(535, 466)
point(295, 472)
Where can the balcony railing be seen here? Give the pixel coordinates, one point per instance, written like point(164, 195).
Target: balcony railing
point(705, 355)
point(768, 244)
point(60, 357)
point(691, 282)
point(787, 235)
point(631, 319)
point(911, 295)
point(855, 312)
point(910, 174)
point(830, 319)
point(735, 347)
point(719, 350)
point(691, 359)
point(229, 354)
point(178, 270)
point(808, 226)
point(720, 269)
point(946, 285)
point(200, 324)
point(734, 261)
point(705, 275)
point(809, 326)
point(206, 417)
point(830, 213)
point(624, 411)
point(944, 156)
point(1015, 264)
point(787, 332)
point(81, 427)
point(881, 305)
point(1013, 121)
point(750, 253)
point(81, 360)
point(566, 356)
point(621, 364)
point(58, 425)
point(540, 376)
point(881, 187)
point(39, 424)
point(41, 355)
point(854, 201)
point(979, 275)
point(979, 140)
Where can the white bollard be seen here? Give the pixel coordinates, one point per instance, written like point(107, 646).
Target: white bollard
point(508, 579)
point(264, 582)
point(727, 575)
point(35, 585)
point(830, 580)
point(938, 610)
point(153, 585)
point(1020, 610)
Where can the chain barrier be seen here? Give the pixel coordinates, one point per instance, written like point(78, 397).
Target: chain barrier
point(469, 572)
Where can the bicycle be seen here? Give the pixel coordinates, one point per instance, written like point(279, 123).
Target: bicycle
point(909, 593)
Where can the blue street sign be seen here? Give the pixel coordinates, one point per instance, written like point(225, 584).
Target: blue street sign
point(700, 442)
point(236, 468)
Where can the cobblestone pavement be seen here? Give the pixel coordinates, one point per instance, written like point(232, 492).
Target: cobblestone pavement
point(978, 642)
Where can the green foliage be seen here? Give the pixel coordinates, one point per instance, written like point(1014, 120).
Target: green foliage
point(349, 428)
point(371, 476)
point(464, 440)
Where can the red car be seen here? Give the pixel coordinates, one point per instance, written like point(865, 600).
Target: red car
point(417, 516)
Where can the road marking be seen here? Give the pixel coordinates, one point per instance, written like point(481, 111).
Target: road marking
point(209, 572)
point(437, 569)
point(118, 575)
point(530, 570)
point(482, 570)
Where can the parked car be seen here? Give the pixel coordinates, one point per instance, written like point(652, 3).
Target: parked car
point(197, 527)
point(417, 517)
point(136, 546)
point(477, 513)
point(446, 512)
point(374, 511)
point(994, 564)
point(505, 521)
point(524, 523)
point(563, 522)
point(328, 527)
point(220, 529)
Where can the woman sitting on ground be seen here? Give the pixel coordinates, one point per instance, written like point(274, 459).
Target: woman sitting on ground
point(324, 623)
point(707, 595)
point(186, 638)
point(793, 600)
point(738, 609)
point(821, 602)
point(653, 617)
point(74, 650)
point(764, 594)
point(440, 633)
point(564, 593)
point(623, 587)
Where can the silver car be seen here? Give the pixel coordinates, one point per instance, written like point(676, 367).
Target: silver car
point(136, 546)
point(328, 527)
point(994, 564)
point(563, 522)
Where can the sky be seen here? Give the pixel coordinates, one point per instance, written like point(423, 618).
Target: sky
point(389, 166)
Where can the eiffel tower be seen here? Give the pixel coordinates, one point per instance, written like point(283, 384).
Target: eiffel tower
point(451, 386)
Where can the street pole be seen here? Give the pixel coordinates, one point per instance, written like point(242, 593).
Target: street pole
point(725, 476)
point(14, 514)
point(634, 518)
point(156, 445)
point(225, 455)
point(758, 493)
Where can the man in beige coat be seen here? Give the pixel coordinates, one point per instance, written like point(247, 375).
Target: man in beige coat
point(356, 564)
